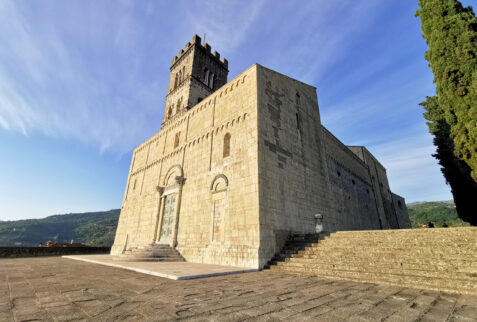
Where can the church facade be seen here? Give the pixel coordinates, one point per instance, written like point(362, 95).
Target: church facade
point(238, 166)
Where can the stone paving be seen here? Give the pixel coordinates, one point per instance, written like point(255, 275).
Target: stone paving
point(171, 270)
point(59, 289)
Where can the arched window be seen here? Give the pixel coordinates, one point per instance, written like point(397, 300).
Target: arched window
point(180, 76)
point(206, 76)
point(183, 73)
point(169, 113)
point(176, 81)
point(179, 103)
point(177, 139)
point(227, 145)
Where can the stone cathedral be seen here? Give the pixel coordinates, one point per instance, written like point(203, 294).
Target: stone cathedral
point(238, 166)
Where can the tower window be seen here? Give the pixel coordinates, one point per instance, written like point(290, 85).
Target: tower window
point(298, 123)
point(176, 140)
point(176, 81)
point(169, 113)
point(206, 76)
point(211, 81)
point(226, 145)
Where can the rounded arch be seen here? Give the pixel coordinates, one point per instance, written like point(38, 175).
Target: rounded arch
point(219, 183)
point(175, 169)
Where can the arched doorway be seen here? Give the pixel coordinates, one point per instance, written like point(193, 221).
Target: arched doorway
point(170, 197)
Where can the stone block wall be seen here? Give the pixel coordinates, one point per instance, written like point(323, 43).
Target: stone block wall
point(401, 211)
point(353, 203)
point(218, 217)
point(293, 185)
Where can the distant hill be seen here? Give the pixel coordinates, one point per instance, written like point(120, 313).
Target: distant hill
point(440, 213)
point(90, 228)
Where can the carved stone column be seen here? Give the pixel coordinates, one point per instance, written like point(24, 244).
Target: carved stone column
point(160, 212)
point(180, 183)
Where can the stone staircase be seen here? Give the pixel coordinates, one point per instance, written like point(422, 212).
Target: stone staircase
point(443, 259)
point(151, 253)
point(295, 244)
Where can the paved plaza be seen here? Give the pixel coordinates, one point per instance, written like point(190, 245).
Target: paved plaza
point(171, 270)
point(60, 289)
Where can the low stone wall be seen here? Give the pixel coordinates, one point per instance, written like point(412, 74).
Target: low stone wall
point(50, 251)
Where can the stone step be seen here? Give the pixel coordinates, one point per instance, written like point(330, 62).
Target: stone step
point(379, 276)
point(436, 259)
point(143, 255)
point(408, 241)
point(151, 259)
point(343, 250)
point(468, 272)
point(435, 284)
point(154, 252)
point(407, 231)
point(460, 231)
point(151, 253)
point(469, 234)
point(440, 259)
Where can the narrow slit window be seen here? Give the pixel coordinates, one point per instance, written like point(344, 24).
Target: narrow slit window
point(206, 76)
point(177, 139)
point(227, 145)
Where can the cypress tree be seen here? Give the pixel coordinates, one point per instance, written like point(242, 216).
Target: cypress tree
point(455, 171)
point(450, 31)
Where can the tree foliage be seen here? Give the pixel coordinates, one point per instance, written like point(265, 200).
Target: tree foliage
point(91, 228)
point(455, 171)
point(440, 214)
point(450, 31)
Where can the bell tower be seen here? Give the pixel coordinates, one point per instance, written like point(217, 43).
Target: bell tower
point(195, 74)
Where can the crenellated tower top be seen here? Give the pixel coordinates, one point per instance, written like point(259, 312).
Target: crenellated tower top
point(196, 73)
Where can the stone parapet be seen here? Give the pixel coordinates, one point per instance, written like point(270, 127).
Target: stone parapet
point(11, 252)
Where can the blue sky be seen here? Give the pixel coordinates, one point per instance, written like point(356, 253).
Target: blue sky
point(84, 82)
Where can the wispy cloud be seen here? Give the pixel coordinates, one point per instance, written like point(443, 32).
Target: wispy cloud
point(60, 79)
point(226, 23)
point(411, 169)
